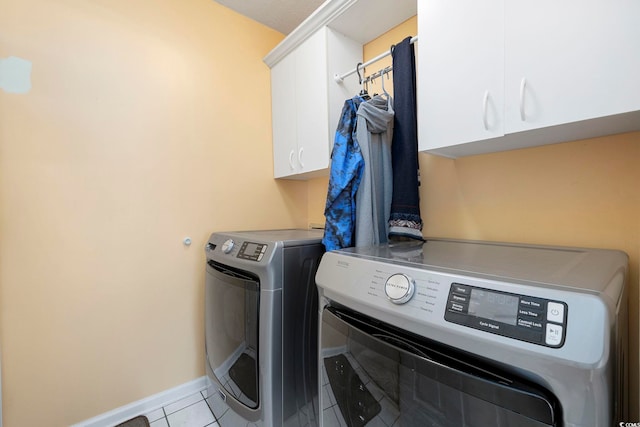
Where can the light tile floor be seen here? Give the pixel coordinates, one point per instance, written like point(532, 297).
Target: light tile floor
point(192, 411)
point(196, 410)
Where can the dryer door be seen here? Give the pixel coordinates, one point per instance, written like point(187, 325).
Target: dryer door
point(375, 373)
point(232, 299)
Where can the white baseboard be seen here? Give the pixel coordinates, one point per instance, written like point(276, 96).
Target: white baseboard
point(146, 405)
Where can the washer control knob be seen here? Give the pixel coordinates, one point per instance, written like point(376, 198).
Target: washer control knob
point(399, 288)
point(227, 246)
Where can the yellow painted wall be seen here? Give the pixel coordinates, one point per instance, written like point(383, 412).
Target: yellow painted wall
point(581, 193)
point(148, 121)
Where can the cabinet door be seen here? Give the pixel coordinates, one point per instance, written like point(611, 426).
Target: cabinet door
point(460, 72)
point(312, 103)
point(283, 117)
point(568, 61)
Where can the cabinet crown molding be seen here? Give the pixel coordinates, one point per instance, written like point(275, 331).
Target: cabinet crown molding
point(326, 13)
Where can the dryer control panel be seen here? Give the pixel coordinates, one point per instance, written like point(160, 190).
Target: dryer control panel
point(522, 317)
point(252, 251)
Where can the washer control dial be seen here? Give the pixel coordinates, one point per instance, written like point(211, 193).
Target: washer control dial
point(399, 288)
point(227, 246)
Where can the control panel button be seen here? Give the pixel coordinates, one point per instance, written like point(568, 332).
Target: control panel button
point(459, 298)
point(555, 312)
point(457, 307)
point(399, 288)
point(530, 324)
point(262, 252)
point(460, 289)
point(554, 334)
point(531, 303)
point(524, 312)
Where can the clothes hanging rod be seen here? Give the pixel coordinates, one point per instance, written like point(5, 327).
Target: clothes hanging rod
point(377, 74)
point(339, 78)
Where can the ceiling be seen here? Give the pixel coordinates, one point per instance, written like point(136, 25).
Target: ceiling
point(281, 15)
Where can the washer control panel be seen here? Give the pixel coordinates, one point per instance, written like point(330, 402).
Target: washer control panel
point(526, 318)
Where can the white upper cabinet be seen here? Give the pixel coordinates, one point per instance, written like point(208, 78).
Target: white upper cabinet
point(570, 60)
point(306, 103)
point(460, 71)
point(509, 74)
point(306, 100)
point(300, 108)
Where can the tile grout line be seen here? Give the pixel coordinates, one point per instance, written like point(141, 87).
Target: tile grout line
point(166, 419)
point(215, 422)
point(184, 407)
point(164, 416)
point(215, 417)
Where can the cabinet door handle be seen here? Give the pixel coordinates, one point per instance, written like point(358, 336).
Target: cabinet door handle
point(291, 165)
point(300, 157)
point(523, 86)
point(485, 101)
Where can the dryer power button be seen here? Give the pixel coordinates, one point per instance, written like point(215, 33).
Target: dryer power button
point(399, 288)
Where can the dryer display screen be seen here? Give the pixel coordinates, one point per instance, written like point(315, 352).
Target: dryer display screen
point(494, 306)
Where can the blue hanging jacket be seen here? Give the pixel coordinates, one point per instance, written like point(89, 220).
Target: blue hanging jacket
point(346, 171)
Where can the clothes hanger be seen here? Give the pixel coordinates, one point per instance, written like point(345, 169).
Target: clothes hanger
point(371, 79)
point(389, 98)
point(363, 91)
point(382, 73)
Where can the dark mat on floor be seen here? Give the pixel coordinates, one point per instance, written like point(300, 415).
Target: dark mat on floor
point(243, 373)
point(356, 403)
point(139, 421)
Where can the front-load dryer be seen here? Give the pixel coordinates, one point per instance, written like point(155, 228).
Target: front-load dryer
point(463, 334)
point(261, 326)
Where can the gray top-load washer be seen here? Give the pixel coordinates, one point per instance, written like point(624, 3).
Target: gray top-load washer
point(485, 316)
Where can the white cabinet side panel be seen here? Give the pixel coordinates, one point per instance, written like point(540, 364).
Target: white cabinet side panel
point(345, 54)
